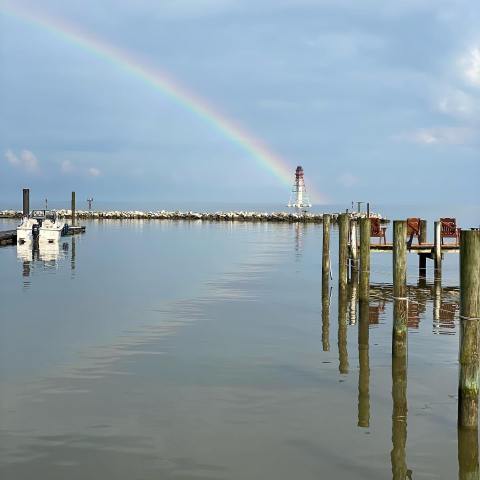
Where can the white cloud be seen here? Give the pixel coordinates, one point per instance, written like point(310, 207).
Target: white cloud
point(458, 104)
point(94, 172)
point(470, 63)
point(67, 167)
point(347, 179)
point(438, 136)
point(26, 160)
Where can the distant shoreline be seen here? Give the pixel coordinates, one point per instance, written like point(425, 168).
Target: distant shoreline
point(238, 216)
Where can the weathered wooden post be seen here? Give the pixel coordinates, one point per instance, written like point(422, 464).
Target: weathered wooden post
point(422, 257)
point(26, 202)
point(364, 286)
point(73, 208)
point(400, 306)
point(326, 249)
point(368, 209)
point(342, 330)
point(354, 250)
point(364, 361)
point(468, 454)
point(437, 250)
point(343, 221)
point(469, 329)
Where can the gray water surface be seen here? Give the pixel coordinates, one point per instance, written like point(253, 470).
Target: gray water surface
point(187, 350)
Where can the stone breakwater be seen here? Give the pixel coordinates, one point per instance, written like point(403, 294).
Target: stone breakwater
point(241, 216)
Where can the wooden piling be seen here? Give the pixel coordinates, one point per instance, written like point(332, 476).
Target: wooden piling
point(73, 208)
point(364, 287)
point(422, 257)
point(469, 329)
point(326, 283)
point(326, 248)
point(343, 221)
point(400, 307)
point(364, 363)
point(354, 250)
point(437, 250)
point(26, 202)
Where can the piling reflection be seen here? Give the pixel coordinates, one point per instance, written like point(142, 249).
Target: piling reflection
point(364, 362)
point(326, 292)
point(342, 330)
point(399, 392)
point(468, 454)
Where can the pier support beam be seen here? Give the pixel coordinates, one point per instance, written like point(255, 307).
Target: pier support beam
point(343, 221)
point(422, 257)
point(469, 329)
point(73, 208)
point(26, 202)
point(364, 288)
point(326, 249)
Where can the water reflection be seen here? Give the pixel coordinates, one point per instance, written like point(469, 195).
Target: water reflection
point(468, 454)
point(342, 330)
point(326, 293)
point(444, 301)
point(364, 363)
point(43, 254)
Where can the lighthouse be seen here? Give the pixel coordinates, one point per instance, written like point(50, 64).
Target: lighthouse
point(299, 198)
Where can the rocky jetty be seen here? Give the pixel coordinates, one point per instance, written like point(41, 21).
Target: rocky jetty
point(241, 216)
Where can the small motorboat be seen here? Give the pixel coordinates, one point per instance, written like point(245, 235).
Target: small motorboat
point(50, 227)
point(27, 230)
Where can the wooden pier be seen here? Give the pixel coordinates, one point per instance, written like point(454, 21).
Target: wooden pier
point(8, 237)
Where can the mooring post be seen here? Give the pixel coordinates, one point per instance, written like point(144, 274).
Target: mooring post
point(422, 257)
point(437, 250)
point(364, 287)
point(469, 328)
point(400, 306)
point(343, 221)
point(73, 208)
point(368, 209)
point(364, 361)
point(354, 249)
point(26, 202)
point(326, 283)
point(326, 248)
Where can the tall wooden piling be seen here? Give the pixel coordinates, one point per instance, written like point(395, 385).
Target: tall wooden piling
point(364, 363)
point(326, 248)
point(326, 283)
point(364, 286)
point(469, 329)
point(422, 257)
point(343, 222)
point(400, 306)
point(437, 250)
point(26, 202)
point(73, 208)
point(354, 250)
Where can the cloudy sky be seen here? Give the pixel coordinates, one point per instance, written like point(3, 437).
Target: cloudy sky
point(377, 100)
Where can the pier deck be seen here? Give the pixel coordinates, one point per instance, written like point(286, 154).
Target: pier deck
point(423, 248)
point(8, 237)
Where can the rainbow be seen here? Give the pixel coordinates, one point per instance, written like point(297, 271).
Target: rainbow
point(168, 86)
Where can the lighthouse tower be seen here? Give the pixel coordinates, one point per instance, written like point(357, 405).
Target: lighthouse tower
point(299, 198)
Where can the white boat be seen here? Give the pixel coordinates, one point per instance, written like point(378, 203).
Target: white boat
point(50, 228)
point(25, 231)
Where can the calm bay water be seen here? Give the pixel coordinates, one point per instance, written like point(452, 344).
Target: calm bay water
point(186, 350)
